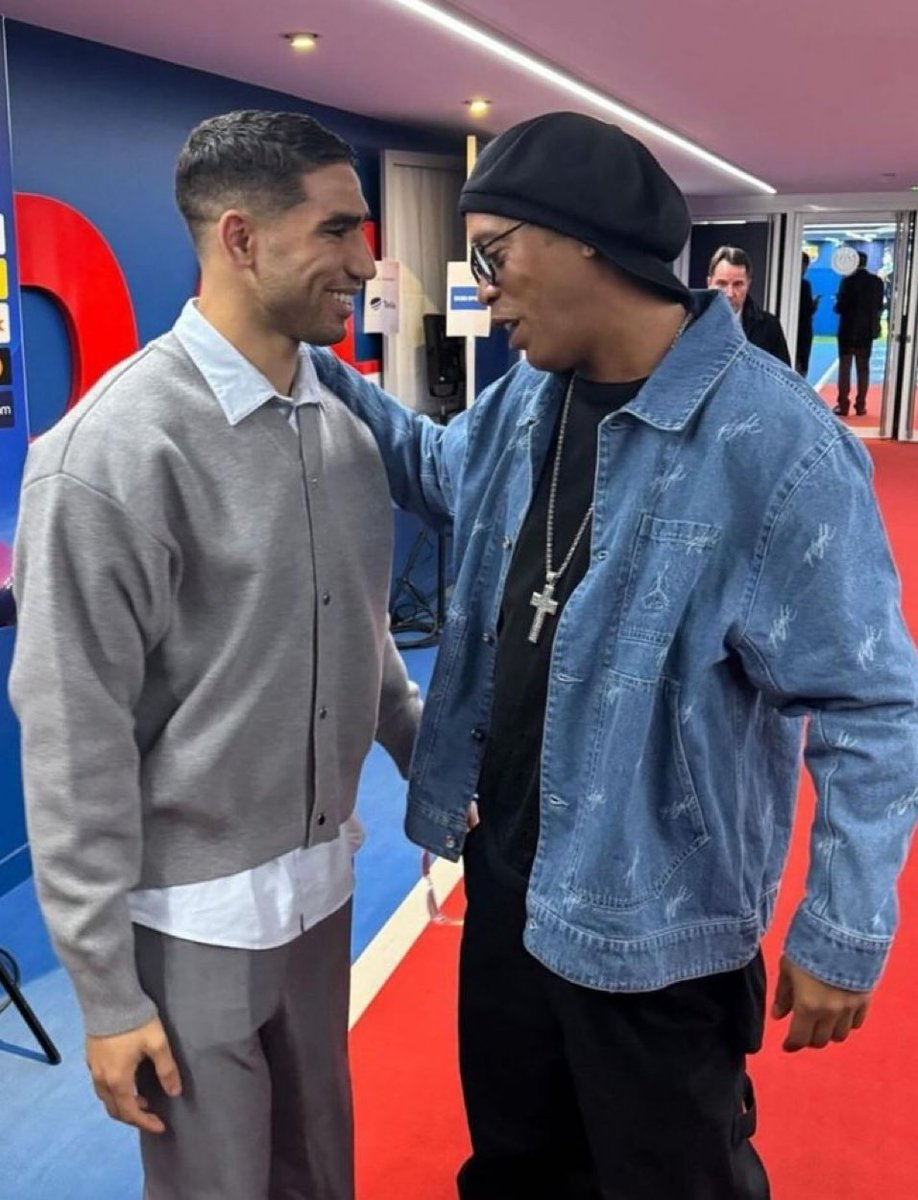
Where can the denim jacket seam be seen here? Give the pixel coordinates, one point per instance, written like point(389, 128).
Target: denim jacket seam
point(769, 525)
point(823, 810)
point(683, 930)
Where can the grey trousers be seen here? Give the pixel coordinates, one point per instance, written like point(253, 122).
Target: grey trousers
point(260, 1038)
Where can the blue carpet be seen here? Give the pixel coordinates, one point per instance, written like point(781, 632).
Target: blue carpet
point(56, 1142)
point(825, 354)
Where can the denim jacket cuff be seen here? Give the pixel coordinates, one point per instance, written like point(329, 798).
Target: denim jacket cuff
point(837, 956)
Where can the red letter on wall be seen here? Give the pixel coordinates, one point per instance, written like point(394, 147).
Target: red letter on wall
point(64, 255)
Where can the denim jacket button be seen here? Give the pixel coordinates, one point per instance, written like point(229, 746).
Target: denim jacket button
point(478, 735)
point(507, 543)
point(449, 842)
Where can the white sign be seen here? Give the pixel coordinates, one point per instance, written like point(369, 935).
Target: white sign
point(381, 300)
point(465, 316)
point(844, 260)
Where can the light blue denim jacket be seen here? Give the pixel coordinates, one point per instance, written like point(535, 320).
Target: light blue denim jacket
point(740, 601)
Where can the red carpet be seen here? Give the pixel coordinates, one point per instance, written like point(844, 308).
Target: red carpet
point(829, 393)
point(837, 1124)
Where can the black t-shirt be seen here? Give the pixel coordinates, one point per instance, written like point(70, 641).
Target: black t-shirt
point(509, 785)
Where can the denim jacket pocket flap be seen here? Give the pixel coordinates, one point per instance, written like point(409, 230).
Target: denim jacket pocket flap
point(666, 562)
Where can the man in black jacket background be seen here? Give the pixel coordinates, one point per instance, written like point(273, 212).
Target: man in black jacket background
point(859, 303)
point(808, 305)
point(730, 271)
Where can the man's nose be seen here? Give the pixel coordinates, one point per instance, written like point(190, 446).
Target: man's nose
point(487, 292)
point(363, 265)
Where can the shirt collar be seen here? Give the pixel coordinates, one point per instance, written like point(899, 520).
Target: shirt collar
point(239, 387)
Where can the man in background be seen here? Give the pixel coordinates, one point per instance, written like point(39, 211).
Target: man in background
point(730, 271)
point(202, 571)
point(859, 303)
point(808, 306)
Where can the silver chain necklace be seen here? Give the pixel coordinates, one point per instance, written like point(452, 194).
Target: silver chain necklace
point(544, 602)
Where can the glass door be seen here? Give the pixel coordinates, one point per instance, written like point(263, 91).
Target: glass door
point(860, 360)
point(850, 267)
point(903, 323)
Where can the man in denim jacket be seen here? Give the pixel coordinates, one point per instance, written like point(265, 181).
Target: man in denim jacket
point(671, 575)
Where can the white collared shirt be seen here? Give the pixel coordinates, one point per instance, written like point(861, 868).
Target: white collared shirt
point(277, 901)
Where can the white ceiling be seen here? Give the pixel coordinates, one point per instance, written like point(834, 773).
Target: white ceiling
point(809, 95)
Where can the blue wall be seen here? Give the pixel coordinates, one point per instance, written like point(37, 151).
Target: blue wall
point(825, 280)
point(100, 129)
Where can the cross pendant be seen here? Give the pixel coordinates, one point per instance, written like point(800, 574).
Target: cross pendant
point(545, 606)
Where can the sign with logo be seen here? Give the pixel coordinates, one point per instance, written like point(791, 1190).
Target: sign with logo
point(14, 434)
point(465, 315)
point(381, 307)
point(844, 260)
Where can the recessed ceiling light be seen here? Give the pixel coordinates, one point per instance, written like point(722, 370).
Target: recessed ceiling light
point(478, 108)
point(523, 61)
point(301, 42)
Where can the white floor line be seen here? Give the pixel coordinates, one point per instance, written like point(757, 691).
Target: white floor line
point(826, 377)
point(397, 936)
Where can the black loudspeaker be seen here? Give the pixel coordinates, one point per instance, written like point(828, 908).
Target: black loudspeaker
point(445, 367)
point(418, 602)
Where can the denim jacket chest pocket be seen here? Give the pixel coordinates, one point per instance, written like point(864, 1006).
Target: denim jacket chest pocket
point(666, 561)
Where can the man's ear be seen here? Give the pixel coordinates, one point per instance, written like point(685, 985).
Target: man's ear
point(235, 236)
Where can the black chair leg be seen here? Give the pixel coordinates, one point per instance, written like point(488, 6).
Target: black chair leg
point(10, 985)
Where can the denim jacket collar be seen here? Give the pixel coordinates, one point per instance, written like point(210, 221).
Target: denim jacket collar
point(676, 389)
point(684, 377)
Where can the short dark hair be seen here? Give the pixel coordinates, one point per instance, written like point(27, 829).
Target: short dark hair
point(733, 255)
point(251, 158)
point(861, 258)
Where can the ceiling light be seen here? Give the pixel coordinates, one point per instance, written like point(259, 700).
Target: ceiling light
point(301, 42)
point(510, 53)
point(478, 108)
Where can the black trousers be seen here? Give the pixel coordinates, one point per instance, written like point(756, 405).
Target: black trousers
point(860, 356)
point(576, 1094)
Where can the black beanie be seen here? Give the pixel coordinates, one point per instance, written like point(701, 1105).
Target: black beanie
point(589, 180)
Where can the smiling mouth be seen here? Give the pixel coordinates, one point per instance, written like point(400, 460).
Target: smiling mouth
point(345, 299)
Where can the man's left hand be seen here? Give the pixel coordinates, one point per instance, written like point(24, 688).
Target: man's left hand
point(821, 1013)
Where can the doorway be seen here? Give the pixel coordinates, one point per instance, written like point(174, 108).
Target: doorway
point(835, 252)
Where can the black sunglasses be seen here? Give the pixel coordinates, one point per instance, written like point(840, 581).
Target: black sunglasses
point(484, 268)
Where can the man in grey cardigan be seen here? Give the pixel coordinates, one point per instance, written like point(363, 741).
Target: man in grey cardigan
point(203, 661)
